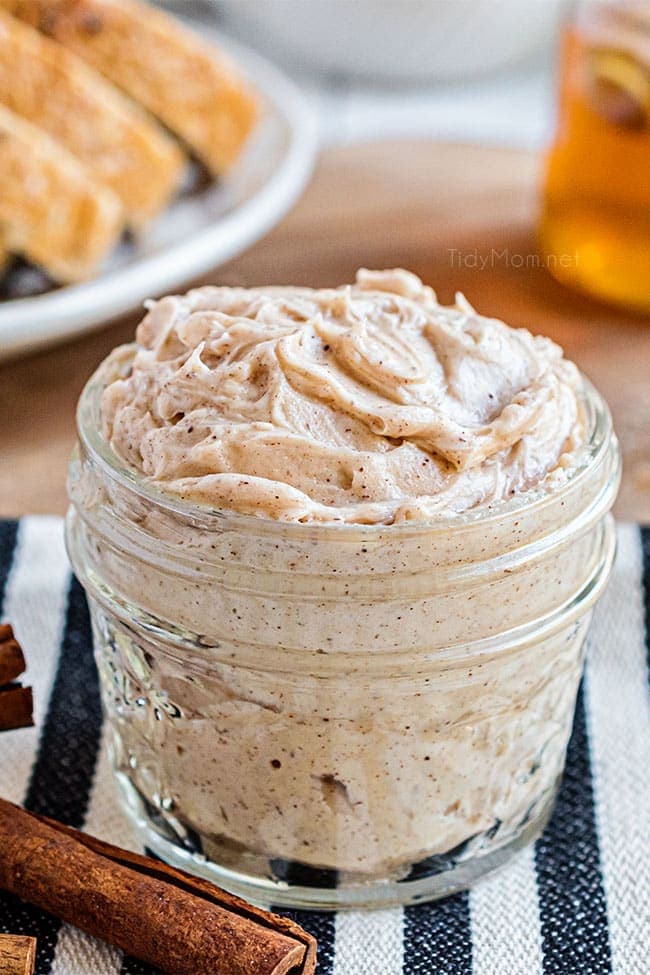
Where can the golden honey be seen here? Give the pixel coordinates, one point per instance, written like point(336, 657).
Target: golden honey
point(595, 226)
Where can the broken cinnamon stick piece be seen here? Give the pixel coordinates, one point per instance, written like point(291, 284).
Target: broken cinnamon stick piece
point(17, 954)
point(12, 661)
point(173, 921)
point(16, 702)
point(16, 707)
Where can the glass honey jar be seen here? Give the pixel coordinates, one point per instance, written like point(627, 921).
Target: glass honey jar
point(595, 225)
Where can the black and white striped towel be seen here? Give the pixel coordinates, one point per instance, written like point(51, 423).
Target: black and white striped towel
point(578, 903)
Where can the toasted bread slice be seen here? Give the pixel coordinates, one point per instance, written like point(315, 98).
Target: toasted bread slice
point(190, 86)
point(51, 209)
point(51, 87)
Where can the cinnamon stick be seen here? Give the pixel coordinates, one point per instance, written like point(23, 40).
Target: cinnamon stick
point(12, 661)
point(16, 701)
point(17, 954)
point(16, 707)
point(173, 921)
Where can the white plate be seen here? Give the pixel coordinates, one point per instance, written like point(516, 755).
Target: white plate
point(200, 230)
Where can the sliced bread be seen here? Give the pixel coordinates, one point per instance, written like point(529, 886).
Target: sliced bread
point(52, 88)
point(52, 210)
point(191, 86)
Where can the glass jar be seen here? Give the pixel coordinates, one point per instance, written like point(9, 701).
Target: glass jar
point(595, 226)
point(331, 715)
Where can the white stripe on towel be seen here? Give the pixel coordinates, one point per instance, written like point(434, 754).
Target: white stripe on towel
point(35, 602)
point(618, 710)
point(369, 944)
point(505, 920)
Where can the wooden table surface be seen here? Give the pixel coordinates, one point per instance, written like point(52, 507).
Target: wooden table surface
point(435, 209)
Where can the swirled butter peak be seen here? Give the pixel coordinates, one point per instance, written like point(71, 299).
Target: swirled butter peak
point(368, 403)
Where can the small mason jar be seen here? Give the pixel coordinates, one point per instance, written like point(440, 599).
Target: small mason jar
point(335, 715)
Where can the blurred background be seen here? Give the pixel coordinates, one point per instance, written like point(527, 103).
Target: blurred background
point(464, 69)
point(498, 147)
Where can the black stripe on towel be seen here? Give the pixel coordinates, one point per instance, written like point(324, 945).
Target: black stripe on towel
point(573, 911)
point(437, 938)
point(645, 547)
point(63, 771)
point(8, 540)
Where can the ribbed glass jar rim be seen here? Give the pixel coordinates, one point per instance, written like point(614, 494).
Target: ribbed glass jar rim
point(599, 449)
point(116, 509)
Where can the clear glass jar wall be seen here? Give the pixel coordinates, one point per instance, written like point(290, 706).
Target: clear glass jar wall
point(333, 715)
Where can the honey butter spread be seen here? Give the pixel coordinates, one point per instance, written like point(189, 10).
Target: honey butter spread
point(368, 403)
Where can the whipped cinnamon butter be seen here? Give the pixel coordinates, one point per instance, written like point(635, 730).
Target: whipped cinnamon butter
point(367, 403)
point(341, 548)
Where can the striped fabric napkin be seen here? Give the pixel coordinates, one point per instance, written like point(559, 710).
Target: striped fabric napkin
point(578, 903)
